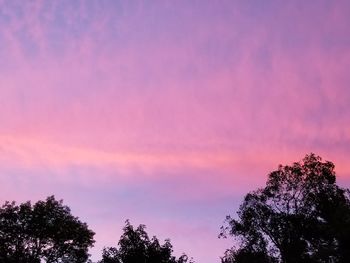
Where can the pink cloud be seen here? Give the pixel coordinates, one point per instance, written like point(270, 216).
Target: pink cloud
point(194, 103)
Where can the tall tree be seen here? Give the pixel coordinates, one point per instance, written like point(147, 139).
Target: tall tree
point(44, 231)
point(136, 247)
point(301, 215)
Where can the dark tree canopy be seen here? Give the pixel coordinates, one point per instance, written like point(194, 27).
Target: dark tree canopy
point(45, 231)
point(135, 246)
point(300, 216)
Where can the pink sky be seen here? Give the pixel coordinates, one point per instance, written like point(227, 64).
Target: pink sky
point(167, 112)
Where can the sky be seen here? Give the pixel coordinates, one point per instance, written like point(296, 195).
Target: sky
point(168, 112)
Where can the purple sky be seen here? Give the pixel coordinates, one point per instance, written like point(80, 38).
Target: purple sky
point(167, 112)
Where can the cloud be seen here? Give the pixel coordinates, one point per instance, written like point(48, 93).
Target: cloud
point(187, 102)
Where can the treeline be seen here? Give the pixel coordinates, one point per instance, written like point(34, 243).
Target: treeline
point(300, 216)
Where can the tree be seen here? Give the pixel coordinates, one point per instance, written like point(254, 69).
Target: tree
point(43, 231)
point(300, 216)
point(136, 247)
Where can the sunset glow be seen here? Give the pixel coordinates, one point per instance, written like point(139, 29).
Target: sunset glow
point(167, 112)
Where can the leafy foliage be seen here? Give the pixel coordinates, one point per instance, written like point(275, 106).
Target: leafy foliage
point(136, 247)
point(300, 216)
point(43, 231)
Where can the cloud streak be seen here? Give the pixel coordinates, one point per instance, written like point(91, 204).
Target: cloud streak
point(192, 103)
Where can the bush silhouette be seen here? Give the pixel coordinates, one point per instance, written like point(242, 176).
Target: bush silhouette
point(44, 231)
point(135, 246)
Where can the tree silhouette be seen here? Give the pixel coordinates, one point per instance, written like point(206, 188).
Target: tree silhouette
point(45, 231)
point(136, 247)
point(300, 216)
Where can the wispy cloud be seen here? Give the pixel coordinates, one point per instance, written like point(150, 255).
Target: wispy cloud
point(192, 103)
